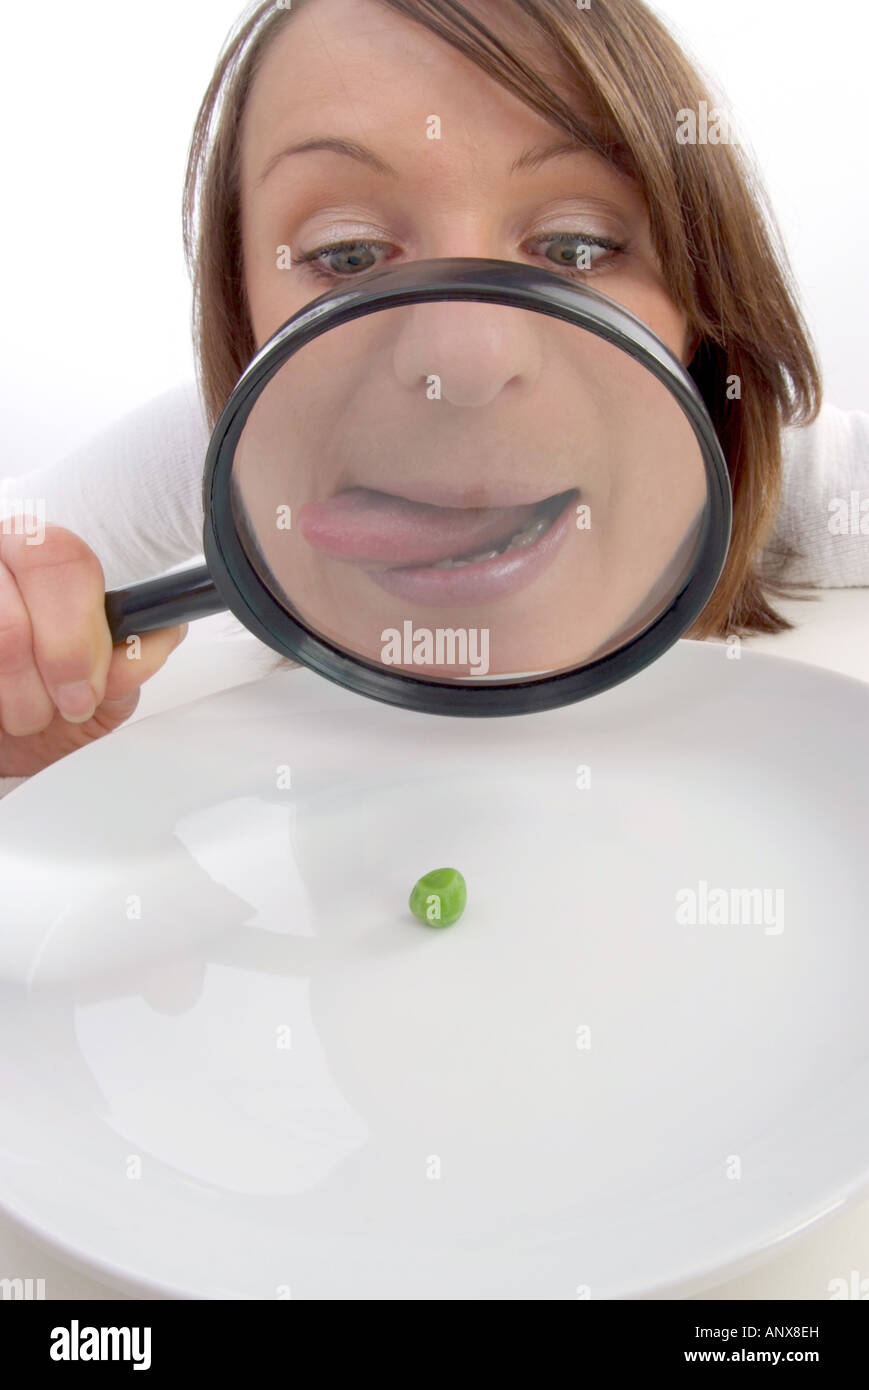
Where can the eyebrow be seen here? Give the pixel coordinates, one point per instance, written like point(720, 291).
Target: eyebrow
point(530, 159)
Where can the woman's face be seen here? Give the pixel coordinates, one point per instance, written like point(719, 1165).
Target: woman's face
point(389, 478)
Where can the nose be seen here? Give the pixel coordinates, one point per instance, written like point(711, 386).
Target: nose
point(472, 351)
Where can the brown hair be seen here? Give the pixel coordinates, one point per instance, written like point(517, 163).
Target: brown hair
point(719, 247)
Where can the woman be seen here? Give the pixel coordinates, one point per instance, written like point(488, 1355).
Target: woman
point(673, 231)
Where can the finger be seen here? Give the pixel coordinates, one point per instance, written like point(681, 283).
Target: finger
point(131, 666)
point(63, 587)
point(25, 705)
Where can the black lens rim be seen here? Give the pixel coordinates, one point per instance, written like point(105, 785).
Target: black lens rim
point(480, 281)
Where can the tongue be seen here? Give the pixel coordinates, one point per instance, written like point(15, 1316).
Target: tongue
point(377, 527)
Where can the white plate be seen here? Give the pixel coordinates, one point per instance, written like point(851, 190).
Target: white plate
point(275, 1083)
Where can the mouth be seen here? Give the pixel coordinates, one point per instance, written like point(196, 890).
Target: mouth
point(383, 530)
point(435, 554)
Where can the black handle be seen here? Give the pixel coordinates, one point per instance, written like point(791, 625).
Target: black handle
point(164, 602)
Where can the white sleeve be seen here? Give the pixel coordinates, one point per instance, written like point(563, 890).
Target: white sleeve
point(133, 493)
point(824, 511)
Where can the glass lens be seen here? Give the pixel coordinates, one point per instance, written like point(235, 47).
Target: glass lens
point(463, 491)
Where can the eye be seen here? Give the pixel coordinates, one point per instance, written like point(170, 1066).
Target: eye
point(565, 250)
point(343, 259)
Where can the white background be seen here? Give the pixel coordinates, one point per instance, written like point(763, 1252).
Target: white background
point(98, 101)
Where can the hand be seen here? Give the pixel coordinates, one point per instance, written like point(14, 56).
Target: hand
point(54, 634)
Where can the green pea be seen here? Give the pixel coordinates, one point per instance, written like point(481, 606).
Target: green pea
point(439, 898)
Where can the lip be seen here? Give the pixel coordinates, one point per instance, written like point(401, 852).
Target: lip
point(488, 581)
point(437, 496)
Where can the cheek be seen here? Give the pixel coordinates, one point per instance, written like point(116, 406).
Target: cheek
point(272, 293)
point(664, 318)
point(271, 297)
point(669, 322)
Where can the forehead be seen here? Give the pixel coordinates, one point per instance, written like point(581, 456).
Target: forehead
point(360, 69)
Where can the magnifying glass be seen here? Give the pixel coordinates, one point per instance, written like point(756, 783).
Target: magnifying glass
point(464, 487)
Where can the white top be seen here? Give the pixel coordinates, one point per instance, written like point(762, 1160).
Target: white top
point(134, 494)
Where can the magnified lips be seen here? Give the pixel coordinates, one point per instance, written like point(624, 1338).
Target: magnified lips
point(380, 528)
